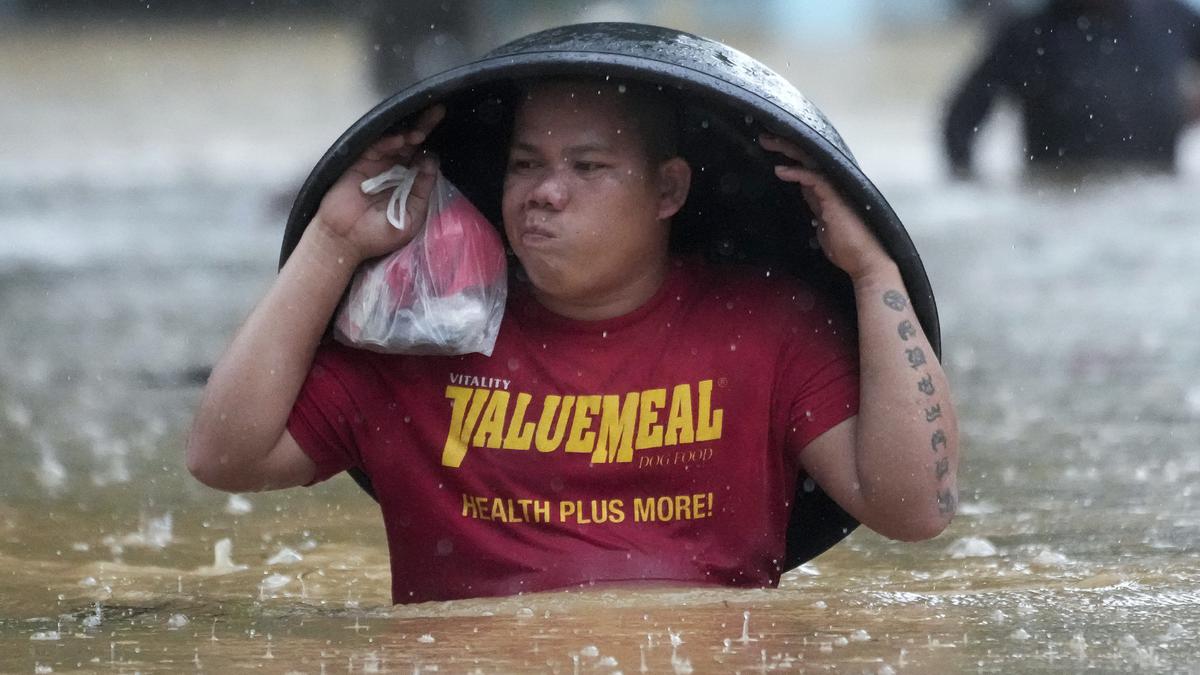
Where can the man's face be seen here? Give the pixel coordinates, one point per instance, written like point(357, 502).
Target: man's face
point(583, 207)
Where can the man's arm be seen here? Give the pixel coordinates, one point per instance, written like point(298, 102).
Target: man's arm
point(239, 440)
point(894, 466)
point(971, 102)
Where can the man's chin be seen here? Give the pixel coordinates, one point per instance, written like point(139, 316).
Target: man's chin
point(542, 274)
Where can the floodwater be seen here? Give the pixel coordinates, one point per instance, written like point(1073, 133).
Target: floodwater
point(140, 218)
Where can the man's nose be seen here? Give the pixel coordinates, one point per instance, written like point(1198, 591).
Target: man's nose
point(550, 191)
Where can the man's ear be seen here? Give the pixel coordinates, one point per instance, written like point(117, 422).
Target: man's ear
point(674, 181)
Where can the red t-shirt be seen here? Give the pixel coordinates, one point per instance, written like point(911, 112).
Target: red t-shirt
point(659, 446)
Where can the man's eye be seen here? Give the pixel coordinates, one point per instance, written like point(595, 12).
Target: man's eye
point(588, 166)
point(520, 164)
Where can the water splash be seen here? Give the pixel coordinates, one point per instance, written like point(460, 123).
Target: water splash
point(285, 556)
point(745, 638)
point(222, 559)
point(271, 584)
point(971, 547)
point(237, 505)
point(153, 532)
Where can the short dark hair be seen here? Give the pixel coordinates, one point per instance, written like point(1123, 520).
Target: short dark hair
point(650, 107)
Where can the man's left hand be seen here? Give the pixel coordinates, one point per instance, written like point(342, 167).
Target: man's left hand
point(843, 235)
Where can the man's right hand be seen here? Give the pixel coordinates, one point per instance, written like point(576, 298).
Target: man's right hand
point(240, 440)
point(358, 221)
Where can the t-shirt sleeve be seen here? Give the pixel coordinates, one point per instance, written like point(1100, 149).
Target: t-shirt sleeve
point(320, 418)
point(818, 378)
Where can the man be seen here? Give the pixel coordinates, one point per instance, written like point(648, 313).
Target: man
point(642, 419)
point(1100, 85)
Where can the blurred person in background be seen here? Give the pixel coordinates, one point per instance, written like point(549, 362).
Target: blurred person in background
point(409, 40)
point(1100, 84)
point(412, 40)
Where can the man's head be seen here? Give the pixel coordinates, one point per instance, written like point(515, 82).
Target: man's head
point(591, 185)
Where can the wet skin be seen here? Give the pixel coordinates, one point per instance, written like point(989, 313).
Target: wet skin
point(585, 210)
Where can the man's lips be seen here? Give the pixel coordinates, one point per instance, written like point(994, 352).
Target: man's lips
point(533, 232)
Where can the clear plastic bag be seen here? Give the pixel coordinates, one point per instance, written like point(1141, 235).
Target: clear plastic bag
point(442, 293)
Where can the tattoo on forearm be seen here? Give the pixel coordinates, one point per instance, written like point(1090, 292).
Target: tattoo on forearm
point(947, 502)
point(937, 442)
point(925, 386)
point(895, 300)
point(916, 357)
point(942, 468)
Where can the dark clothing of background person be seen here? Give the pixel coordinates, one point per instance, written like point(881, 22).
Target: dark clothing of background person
point(1098, 82)
point(410, 41)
